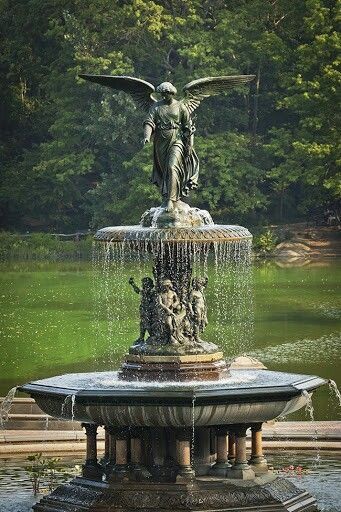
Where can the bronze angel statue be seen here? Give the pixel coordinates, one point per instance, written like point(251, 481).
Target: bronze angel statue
point(169, 123)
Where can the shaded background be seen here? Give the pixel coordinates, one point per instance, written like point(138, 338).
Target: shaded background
point(71, 152)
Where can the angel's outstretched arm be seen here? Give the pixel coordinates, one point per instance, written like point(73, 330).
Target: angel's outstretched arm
point(148, 126)
point(147, 133)
point(133, 285)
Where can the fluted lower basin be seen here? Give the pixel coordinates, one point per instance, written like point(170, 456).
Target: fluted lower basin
point(101, 398)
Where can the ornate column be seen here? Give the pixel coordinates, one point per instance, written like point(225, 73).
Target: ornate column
point(241, 469)
point(91, 468)
point(231, 447)
point(136, 451)
point(257, 460)
point(158, 442)
point(120, 469)
point(221, 465)
point(213, 445)
point(111, 462)
point(202, 451)
point(136, 456)
point(105, 458)
point(183, 452)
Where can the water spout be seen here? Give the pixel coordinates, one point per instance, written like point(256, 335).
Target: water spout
point(6, 406)
point(333, 387)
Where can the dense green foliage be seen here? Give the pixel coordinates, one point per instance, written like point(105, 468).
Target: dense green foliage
point(71, 151)
point(43, 246)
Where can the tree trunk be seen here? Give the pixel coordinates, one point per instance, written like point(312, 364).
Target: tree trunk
point(256, 103)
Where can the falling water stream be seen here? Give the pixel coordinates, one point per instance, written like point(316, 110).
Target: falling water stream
point(309, 408)
point(230, 286)
point(234, 326)
point(68, 407)
point(6, 406)
point(193, 427)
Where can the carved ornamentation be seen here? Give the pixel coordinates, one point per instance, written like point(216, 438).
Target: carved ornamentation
point(128, 498)
point(173, 314)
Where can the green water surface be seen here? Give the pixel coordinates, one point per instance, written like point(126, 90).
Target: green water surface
point(64, 317)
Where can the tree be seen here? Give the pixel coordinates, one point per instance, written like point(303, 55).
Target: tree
point(71, 151)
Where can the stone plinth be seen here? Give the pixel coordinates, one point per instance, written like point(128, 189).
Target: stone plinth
point(181, 368)
point(262, 495)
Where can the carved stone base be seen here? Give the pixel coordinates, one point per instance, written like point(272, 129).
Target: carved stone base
point(92, 470)
point(272, 494)
point(219, 469)
point(259, 465)
point(182, 368)
point(157, 348)
point(240, 473)
point(182, 215)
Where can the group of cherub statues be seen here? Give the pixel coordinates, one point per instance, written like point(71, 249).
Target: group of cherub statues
point(167, 318)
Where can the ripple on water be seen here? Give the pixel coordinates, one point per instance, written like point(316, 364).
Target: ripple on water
point(328, 310)
point(321, 481)
point(324, 349)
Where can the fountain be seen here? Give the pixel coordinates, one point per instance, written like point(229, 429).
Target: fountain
point(176, 413)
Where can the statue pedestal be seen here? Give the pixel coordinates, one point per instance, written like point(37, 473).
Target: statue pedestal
point(181, 368)
point(182, 216)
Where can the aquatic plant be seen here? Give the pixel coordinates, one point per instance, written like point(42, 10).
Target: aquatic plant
point(46, 469)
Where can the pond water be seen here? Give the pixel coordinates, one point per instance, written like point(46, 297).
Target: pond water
point(320, 478)
point(54, 320)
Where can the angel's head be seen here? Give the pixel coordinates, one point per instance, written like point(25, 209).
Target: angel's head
point(167, 90)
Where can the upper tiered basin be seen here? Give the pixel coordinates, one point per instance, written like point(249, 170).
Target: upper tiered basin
point(203, 234)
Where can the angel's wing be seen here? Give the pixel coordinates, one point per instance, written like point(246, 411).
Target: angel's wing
point(139, 90)
point(202, 88)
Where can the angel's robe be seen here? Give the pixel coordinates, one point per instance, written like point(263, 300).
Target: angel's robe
point(175, 171)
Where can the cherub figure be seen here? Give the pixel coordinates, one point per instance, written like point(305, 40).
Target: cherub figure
point(168, 306)
point(169, 122)
point(197, 306)
point(147, 305)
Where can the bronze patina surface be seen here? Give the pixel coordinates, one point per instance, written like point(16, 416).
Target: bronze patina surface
point(169, 122)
